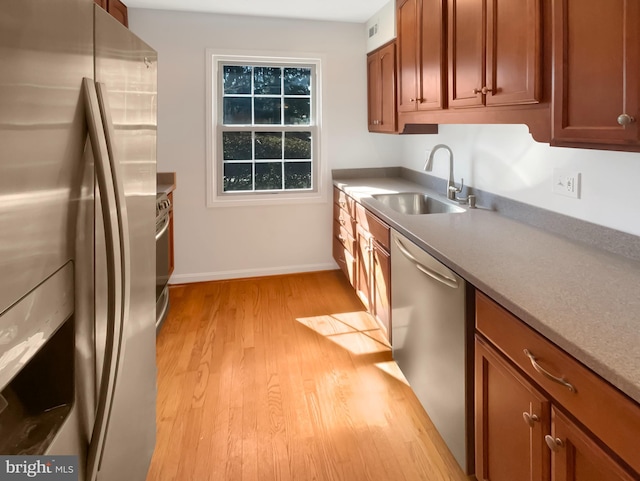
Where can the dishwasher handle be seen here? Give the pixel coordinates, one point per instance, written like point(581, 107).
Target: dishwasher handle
point(447, 281)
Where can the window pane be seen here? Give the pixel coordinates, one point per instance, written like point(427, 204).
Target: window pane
point(236, 79)
point(297, 175)
point(297, 81)
point(237, 110)
point(236, 145)
point(237, 177)
point(267, 111)
point(268, 175)
point(267, 80)
point(268, 145)
point(297, 111)
point(297, 145)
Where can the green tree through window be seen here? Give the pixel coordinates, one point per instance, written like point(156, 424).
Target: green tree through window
point(268, 127)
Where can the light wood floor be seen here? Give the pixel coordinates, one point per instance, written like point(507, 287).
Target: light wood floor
point(285, 378)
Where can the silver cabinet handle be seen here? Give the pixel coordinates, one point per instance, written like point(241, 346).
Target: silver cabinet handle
point(447, 281)
point(626, 119)
point(547, 374)
point(530, 419)
point(554, 443)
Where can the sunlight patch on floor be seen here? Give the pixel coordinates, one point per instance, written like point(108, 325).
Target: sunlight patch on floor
point(391, 368)
point(358, 332)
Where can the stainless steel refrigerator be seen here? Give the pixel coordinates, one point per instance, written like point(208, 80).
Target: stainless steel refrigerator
point(78, 123)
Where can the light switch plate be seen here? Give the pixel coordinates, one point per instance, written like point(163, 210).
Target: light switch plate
point(566, 182)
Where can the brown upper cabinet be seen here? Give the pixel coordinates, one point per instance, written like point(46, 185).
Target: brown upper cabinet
point(495, 52)
point(596, 62)
point(117, 9)
point(381, 89)
point(421, 55)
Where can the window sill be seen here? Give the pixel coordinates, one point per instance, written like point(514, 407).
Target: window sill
point(264, 200)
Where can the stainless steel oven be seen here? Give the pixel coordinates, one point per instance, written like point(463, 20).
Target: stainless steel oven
point(163, 206)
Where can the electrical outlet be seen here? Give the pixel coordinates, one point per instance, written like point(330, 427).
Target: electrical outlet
point(566, 182)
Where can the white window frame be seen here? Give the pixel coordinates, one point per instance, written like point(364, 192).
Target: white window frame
point(214, 171)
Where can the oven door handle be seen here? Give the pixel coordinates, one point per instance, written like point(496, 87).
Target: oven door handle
point(164, 228)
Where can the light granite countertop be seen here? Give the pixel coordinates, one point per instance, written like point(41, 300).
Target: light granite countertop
point(585, 300)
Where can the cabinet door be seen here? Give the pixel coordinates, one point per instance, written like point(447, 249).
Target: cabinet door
point(381, 288)
point(512, 418)
point(596, 78)
point(373, 91)
point(432, 55)
point(577, 457)
point(363, 266)
point(387, 87)
point(513, 54)
point(381, 89)
point(118, 10)
point(407, 22)
point(102, 3)
point(466, 52)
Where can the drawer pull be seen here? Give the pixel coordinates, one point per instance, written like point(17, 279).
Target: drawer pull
point(554, 443)
point(530, 419)
point(547, 374)
point(342, 203)
point(342, 221)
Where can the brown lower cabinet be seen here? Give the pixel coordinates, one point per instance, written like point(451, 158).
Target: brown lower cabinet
point(530, 426)
point(577, 456)
point(512, 419)
point(361, 249)
point(171, 245)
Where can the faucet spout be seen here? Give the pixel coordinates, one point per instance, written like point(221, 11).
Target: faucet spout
point(428, 166)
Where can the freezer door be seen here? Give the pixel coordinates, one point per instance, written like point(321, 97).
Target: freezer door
point(45, 50)
point(125, 71)
point(46, 190)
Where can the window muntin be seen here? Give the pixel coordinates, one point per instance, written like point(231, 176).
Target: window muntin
point(267, 129)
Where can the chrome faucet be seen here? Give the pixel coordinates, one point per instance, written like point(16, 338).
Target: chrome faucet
point(452, 190)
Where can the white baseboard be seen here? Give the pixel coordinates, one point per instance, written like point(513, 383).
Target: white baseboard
point(242, 273)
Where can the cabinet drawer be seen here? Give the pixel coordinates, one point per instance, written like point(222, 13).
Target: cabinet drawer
point(345, 220)
point(344, 237)
point(604, 410)
point(344, 201)
point(378, 229)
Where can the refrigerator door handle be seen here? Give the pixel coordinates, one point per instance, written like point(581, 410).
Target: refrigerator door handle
point(117, 281)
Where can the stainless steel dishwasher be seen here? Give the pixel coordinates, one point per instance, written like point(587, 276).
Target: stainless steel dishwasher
point(429, 341)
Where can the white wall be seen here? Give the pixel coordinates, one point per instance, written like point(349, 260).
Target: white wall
point(505, 160)
point(213, 243)
point(383, 23)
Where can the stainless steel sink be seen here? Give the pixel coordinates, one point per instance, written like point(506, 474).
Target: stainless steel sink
point(416, 203)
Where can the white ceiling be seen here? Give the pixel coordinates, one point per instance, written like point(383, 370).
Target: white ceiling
point(358, 11)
